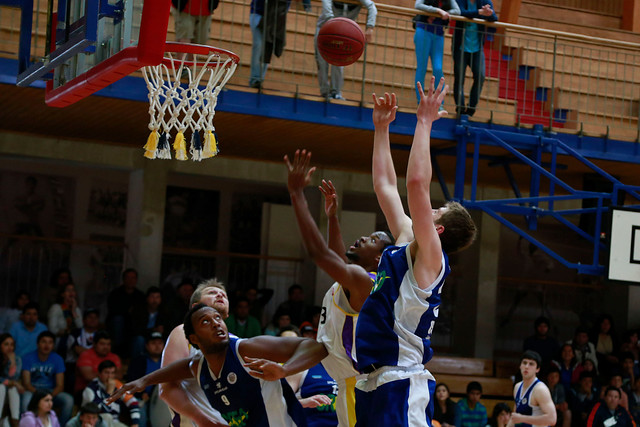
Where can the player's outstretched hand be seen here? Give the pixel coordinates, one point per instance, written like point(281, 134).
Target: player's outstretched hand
point(131, 388)
point(330, 198)
point(315, 401)
point(264, 369)
point(384, 109)
point(429, 107)
point(299, 170)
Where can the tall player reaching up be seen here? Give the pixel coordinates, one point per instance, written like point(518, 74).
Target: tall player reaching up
point(350, 269)
point(397, 319)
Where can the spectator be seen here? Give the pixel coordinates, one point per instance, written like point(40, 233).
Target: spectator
point(25, 331)
point(295, 305)
point(289, 331)
point(181, 303)
point(558, 395)
point(10, 385)
point(150, 319)
point(49, 295)
point(65, 315)
point(500, 417)
point(307, 331)
point(582, 348)
point(606, 343)
point(444, 408)
point(469, 411)
point(567, 367)
point(629, 371)
point(88, 362)
point(10, 315)
point(88, 416)
point(634, 400)
point(429, 37)
point(241, 323)
point(39, 413)
point(541, 342)
point(123, 301)
point(468, 43)
point(588, 366)
point(281, 320)
point(332, 9)
point(631, 344)
point(615, 380)
point(143, 365)
point(102, 387)
point(44, 369)
point(610, 412)
point(258, 299)
point(79, 341)
point(193, 20)
point(583, 398)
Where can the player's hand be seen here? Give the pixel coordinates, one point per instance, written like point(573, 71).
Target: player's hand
point(299, 170)
point(384, 109)
point(315, 401)
point(429, 107)
point(264, 369)
point(130, 388)
point(330, 198)
point(515, 418)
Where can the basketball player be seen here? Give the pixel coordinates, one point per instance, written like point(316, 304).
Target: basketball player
point(227, 383)
point(186, 398)
point(397, 319)
point(534, 405)
point(350, 269)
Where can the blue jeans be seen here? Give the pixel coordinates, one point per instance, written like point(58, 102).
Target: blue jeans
point(258, 68)
point(462, 60)
point(428, 45)
point(62, 402)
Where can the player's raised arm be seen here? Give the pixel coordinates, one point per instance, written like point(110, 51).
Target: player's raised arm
point(352, 277)
point(429, 254)
point(385, 182)
point(334, 233)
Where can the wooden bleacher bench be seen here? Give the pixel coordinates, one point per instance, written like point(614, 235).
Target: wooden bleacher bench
point(461, 366)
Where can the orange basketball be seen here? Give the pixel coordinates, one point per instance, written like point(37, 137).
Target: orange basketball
point(340, 41)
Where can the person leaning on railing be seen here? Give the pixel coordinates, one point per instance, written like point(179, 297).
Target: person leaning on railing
point(468, 39)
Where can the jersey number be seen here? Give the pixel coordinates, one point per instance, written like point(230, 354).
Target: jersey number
point(225, 400)
point(323, 316)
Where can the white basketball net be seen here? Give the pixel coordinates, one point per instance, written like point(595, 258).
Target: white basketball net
point(178, 107)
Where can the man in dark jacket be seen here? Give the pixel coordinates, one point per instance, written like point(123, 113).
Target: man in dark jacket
point(468, 41)
point(610, 413)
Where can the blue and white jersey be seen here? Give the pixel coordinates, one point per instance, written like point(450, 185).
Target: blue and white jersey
point(317, 381)
point(247, 401)
point(523, 402)
point(397, 319)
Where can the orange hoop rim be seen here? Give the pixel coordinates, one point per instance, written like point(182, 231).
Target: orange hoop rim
point(198, 49)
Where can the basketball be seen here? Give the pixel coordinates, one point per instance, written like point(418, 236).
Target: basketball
point(341, 41)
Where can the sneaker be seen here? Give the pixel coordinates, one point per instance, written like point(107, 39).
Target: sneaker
point(337, 96)
point(255, 85)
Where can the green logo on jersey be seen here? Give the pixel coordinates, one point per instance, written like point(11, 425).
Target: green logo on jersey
point(237, 418)
point(331, 407)
point(380, 278)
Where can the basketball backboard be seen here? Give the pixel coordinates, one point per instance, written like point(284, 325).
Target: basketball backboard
point(93, 43)
point(624, 254)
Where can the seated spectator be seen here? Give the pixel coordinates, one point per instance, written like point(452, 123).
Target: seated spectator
point(87, 365)
point(180, 304)
point(582, 347)
point(102, 387)
point(444, 408)
point(143, 365)
point(44, 369)
point(295, 305)
point(469, 411)
point(258, 299)
point(88, 416)
point(79, 341)
point(631, 344)
point(10, 384)
point(241, 323)
point(280, 320)
point(540, 342)
point(629, 371)
point(583, 398)
point(10, 315)
point(60, 278)
point(307, 331)
point(589, 366)
point(501, 415)
point(606, 342)
point(122, 302)
point(615, 380)
point(559, 397)
point(65, 315)
point(289, 331)
point(26, 330)
point(567, 367)
point(151, 319)
point(39, 413)
point(610, 412)
point(634, 401)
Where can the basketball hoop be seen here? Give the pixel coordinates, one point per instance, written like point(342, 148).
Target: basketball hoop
point(182, 107)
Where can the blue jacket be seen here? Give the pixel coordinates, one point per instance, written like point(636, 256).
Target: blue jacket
point(471, 12)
